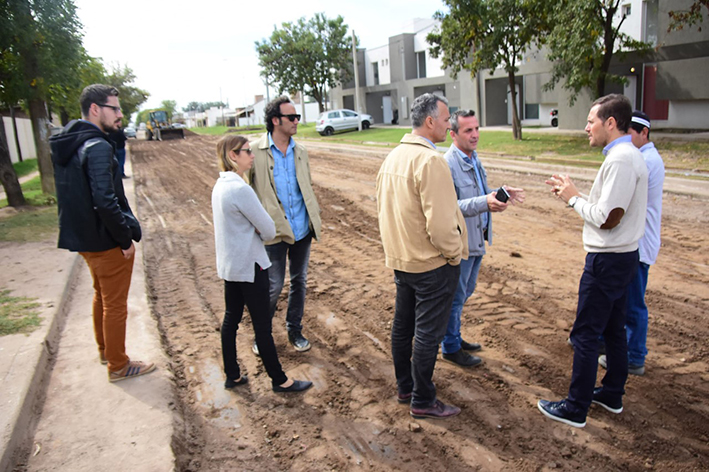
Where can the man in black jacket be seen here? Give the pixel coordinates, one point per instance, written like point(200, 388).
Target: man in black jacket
point(96, 220)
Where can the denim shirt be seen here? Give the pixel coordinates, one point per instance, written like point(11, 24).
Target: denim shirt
point(623, 139)
point(288, 190)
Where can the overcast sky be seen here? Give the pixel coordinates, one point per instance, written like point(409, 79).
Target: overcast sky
point(188, 51)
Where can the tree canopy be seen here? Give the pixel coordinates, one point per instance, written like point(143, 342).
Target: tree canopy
point(694, 15)
point(582, 43)
point(309, 55)
point(487, 34)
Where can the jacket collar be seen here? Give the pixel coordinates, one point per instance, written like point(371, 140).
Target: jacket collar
point(410, 138)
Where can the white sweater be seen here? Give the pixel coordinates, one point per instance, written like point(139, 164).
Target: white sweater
point(621, 182)
point(241, 225)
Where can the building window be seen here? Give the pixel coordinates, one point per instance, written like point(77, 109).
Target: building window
point(421, 64)
point(375, 72)
point(531, 111)
point(626, 9)
point(651, 21)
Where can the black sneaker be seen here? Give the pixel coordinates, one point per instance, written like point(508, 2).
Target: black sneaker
point(472, 347)
point(298, 341)
point(463, 359)
point(438, 410)
point(558, 411)
point(404, 397)
point(599, 398)
point(638, 370)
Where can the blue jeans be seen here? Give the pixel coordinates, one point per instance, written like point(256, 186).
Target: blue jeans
point(298, 256)
point(255, 297)
point(121, 156)
point(601, 308)
point(423, 305)
point(466, 286)
point(636, 317)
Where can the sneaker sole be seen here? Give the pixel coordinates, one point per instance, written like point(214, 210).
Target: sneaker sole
point(142, 372)
point(562, 420)
point(462, 365)
point(301, 349)
point(612, 410)
point(432, 417)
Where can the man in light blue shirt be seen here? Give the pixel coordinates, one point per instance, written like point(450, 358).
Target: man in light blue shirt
point(281, 178)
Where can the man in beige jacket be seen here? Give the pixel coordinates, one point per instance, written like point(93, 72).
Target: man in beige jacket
point(281, 178)
point(424, 237)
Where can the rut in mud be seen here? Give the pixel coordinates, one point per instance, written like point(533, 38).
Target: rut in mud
point(521, 313)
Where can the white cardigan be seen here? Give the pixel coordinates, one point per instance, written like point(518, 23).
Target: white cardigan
point(241, 225)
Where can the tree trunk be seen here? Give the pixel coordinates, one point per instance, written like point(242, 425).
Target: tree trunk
point(40, 130)
point(516, 125)
point(8, 176)
point(14, 130)
point(64, 117)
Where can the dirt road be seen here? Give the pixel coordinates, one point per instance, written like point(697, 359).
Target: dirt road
point(522, 312)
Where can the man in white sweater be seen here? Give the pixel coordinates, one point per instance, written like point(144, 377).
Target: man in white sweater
point(614, 221)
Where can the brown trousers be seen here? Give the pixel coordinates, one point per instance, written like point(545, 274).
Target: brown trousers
point(111, 273)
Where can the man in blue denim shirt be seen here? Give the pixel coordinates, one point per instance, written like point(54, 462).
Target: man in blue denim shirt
point(281, 178)
point(476, 201)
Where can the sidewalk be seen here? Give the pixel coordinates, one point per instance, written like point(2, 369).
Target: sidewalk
point(84, 422)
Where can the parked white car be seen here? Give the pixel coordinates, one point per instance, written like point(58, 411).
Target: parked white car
point(341, 120)
point(130, 132)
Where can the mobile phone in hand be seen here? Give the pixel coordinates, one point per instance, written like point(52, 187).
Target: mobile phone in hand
point(502, 195)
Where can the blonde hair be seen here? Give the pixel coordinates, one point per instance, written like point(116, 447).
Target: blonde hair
point(226, 144)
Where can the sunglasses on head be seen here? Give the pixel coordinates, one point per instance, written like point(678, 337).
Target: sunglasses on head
point(292, 117)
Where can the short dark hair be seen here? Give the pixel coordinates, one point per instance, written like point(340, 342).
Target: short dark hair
point(639, 126)
point(273, 110)
point(95, 93)
point(616, 105)
point(424, 106)
point(459, 114)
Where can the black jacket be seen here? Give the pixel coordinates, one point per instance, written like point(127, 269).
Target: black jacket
point(94, 214)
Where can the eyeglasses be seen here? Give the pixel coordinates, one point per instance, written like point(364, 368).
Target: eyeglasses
point(247, 151)
point(292, 117)
point(115, 109)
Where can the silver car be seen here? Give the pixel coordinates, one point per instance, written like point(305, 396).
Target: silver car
point(341, 120)
point(130, 132)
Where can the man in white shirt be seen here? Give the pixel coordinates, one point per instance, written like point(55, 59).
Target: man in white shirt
point(649, 246)
point(614, 221)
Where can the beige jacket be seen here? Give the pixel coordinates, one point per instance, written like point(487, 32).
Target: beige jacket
point(421, 225)
point(261, 179)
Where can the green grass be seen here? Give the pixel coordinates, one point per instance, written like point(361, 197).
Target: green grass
point(25, 167)
point(32, 190)
point(220, 130)
point(29, 225)
point(17, 314)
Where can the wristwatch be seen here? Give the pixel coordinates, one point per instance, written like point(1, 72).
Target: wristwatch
point(573, 200)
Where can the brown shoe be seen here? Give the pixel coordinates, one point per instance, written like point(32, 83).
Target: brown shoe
point(102, 358)
point(132, 369)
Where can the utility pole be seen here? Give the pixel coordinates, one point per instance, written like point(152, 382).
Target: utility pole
point(356, 74)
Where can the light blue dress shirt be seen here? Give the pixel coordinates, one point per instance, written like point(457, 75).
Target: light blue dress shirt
point(288, 190)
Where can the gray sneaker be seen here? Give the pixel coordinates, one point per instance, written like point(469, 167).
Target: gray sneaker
point(298, 341)
point(638, 370)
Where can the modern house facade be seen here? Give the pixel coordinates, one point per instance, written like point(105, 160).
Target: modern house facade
point(669, 84)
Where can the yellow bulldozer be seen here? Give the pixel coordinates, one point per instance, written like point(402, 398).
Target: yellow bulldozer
point(160, 128)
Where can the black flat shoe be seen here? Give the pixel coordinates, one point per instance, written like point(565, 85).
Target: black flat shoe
point(234, 383)
point(472, 347)
point(298, 386)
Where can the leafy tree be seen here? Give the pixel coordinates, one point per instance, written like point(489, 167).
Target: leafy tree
point(583, 42)
point(487, 34)
point(64, 95)
point(308, 55)
point(41, 41)
point(689, 17)
point(8, 176)
point(170, 106)
point(130, 97)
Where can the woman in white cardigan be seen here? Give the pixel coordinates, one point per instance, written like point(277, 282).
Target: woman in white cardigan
point(241, 225)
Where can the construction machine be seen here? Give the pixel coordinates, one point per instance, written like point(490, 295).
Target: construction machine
point(160, 128)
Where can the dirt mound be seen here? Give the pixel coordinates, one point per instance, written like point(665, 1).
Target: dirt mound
point(522, 311)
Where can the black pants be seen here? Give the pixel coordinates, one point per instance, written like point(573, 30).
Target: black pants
point(601, 311)
point(255, 297)
point(423, 307)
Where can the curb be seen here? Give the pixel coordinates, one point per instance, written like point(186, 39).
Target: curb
point(33, 376)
